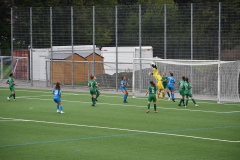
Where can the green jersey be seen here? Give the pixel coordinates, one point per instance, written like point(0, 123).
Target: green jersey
point(186, 86)
point(10, 81)
point(152, 93)
point(164, 80)
point(181, 85)
point(92, 87)
point(92, 84)
point(152, 89)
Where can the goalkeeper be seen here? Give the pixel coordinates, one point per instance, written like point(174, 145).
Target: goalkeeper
point(157, 76)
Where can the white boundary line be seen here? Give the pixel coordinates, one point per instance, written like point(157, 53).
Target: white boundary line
point(117, 96)
point(111, 104)
point(121, 129)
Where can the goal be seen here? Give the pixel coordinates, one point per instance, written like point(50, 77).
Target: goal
point(210, 79)
point(19, 66)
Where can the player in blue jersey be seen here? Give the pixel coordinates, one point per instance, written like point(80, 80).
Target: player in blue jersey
point(171, 83)
point(57, 97)
point(123, 85)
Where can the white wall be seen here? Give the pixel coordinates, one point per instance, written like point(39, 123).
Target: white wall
point(125, 55)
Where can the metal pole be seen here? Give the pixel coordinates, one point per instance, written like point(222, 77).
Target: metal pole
point(51, 43)
point(11, 37)
point(191, 75)
point(31, 46)
point(72, 47)
point(93, 67)
point(140, 46)
point(219, 53)
point(116, 41)
point(165, 31)
point(46, 74)
point(1, 68)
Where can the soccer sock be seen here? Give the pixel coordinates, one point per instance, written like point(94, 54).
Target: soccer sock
point(125, 97)
point(10, 95)
point(14, 95)
point(57, 107)
point(148, 106)
point(94, 99)
point(183, 102)
point(193, 101)
point(61, 108)
point(163, 94)
point(155, 107)
point(97, 96)
point(168, 94)
point(180, 101)
point(172, 95)
point(186, 102)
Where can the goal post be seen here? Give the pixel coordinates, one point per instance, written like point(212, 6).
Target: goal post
point(210, 79)
point(19, 66)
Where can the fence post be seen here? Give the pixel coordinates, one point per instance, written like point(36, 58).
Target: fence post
point(12, 37)
point(140, 46)
point(31, 71)
point(191, 75)
point(46, 73)
point(72, 47)
point(219, 53)
point(165, 31)
point(51, 42)
point(93, 67)
point(116, 41)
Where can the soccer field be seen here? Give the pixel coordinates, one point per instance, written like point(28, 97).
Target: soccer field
point(32, 129)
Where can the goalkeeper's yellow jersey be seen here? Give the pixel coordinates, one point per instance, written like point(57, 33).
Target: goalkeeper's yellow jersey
point(156, 75)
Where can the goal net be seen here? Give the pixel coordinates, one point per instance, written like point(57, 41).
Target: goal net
point(210, 80)
point(19, 66)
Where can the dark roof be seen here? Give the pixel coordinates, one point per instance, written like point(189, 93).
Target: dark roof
point(62, 56)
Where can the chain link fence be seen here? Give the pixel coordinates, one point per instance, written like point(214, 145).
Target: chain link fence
point(190, 31)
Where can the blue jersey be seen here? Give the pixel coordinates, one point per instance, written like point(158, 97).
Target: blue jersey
point(123, 84)
point(56, 93)
point(171, 81)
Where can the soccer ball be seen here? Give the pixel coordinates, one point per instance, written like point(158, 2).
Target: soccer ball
point(152, 64)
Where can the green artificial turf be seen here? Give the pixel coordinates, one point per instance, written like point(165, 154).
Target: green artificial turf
point(30, 128)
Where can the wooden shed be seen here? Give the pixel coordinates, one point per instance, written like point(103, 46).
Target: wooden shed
point(63, 69)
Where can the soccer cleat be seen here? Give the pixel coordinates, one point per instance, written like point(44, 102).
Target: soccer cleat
point(61, 112)
point(96, 100)
point(125, 102)
point(8, 98)
point(179, 105)
point(196, 105)
point(173, 100)
point(58, 111)
point(185, 106)
point(148, 111)
point(169, 99)
point(156, 111)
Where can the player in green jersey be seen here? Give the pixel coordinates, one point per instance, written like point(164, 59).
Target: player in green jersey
point(187, 92)
point(92, 84)
point(97, 91)
point(11, 83)
point(152, 89)
point(181, 91)
point(165, 82)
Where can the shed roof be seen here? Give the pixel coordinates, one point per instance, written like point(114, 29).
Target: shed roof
point(62, 56)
